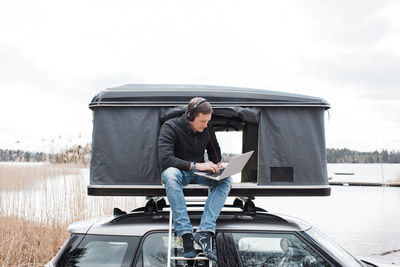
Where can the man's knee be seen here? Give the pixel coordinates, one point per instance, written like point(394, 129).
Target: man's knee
point(227, 182)
point(172, 175)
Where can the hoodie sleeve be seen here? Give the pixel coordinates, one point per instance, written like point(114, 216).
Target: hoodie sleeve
point(166, 147)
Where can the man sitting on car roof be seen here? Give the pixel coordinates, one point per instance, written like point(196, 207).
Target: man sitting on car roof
point(181, 147)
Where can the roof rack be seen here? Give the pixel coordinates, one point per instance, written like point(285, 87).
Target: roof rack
point(156, 206)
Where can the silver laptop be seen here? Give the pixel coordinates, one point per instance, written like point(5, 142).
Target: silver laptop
point(235, 165)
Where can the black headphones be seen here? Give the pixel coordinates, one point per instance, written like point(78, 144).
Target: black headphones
point(190, 117)
point(190, 114)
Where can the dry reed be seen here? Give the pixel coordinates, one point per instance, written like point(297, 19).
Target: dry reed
point(27, 243)
point(37, 203)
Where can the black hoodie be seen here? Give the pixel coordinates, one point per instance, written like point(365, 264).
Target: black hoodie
point(178, 145)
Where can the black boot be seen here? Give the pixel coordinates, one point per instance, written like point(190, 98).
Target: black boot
point(188, 250)
point(203, 239)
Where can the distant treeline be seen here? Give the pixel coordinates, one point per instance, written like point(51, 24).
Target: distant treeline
point(81, 154)
point(350, 156)
point(75, 154)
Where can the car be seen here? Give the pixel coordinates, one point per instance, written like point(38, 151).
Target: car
point(246, 235)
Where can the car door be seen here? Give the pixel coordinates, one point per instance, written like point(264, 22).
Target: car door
point(255, 248)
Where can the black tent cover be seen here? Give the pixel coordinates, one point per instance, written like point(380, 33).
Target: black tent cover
point(285, 130)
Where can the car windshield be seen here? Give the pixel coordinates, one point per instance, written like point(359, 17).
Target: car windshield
point(332, 248)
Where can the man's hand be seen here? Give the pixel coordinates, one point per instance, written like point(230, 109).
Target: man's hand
point(208, 166)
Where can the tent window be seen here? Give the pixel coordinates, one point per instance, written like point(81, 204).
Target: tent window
point(236, 137)
point(231, 145)
point(281, 174)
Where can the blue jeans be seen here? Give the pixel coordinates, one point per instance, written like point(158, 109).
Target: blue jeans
point(174, 179)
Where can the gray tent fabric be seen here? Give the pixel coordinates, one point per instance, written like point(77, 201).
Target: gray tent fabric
point(247, 114)
point(289, 143)
point(167, 113)
point(124, 150)
point(292, 146)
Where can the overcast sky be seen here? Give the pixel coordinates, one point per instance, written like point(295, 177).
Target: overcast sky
point(56, 55)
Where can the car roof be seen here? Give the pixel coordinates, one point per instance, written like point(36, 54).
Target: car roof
point(140, 223)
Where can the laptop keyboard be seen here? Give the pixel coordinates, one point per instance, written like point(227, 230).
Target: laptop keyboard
point(215, 174)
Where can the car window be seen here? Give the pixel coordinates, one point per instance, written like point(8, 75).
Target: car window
point(96, 250)
point(275, 249)
point(67, 246)
point(155, 251)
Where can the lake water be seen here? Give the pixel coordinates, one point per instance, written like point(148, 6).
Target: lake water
point(364, 220)
point(377, 173)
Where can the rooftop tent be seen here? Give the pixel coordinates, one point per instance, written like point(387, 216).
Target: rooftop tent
point(286, 131)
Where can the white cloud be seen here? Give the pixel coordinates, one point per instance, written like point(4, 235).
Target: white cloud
point(55, 56)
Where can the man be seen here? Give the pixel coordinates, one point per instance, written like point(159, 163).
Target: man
point(181, 147)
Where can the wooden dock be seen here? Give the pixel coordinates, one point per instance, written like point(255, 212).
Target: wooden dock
point(387, 184)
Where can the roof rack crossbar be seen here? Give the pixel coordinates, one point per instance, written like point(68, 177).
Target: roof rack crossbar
point(156, 205)
point(165, 214)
